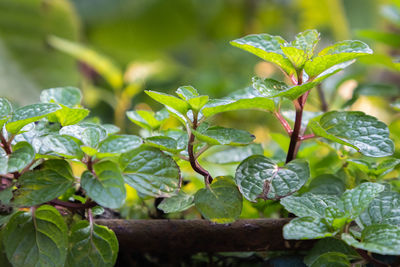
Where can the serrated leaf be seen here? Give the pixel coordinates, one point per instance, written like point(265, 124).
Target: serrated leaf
point(22, 155)
point(117, 144)
point(235, 154)
point(326, 245)
point(297, 56)
point(332, 259)
point(306, 228)
point(259, 177)
point(164, 143)
point(148, 119)
point(308, 204)
point(92, 245)
point(383, 239)
point(221, 203)
point(37, 187)
point(27, 114)
point(217, 135)
point(39, 239)
point(336, 54)
point(67, 96)
point(355, 129)
point(384, 209)
point(150, 171)
point(105, 185)
point(307, 41)
point(178, 203)
point(247, 98)
point(61, 145)
point(356, 200)
point(267, 47)
point(5, 111)
point(89, 133)
point(327, 184)
point(170, 101)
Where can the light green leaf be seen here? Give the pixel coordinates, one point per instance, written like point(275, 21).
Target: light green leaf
point(5, 111)
point(100, 63)
point(170, 101)
point(90, 151)
point(259, 177)
point(150, 171)
point(27, 114)
point(39, 239)
point(105, 185)
point(221, 203)
point(235, 154)
point(178, 203)
point(66, 96)
point(217, 135)
point(61, 145)
point(327, 184)
point(383, 239)
point(163, 143)
point(111, 128)
point(355, 129)
point(306, 228)
point(332, 259)
point(22, 155)
point(307, 41)
point(309, 204)
point(384, 209)
point(267, 47)
point(190, 95)
point(91, 245)
point(148, 119)
point(334, 55)
point(69, 116)
point(326, 245)
point(38, 187)
point(90, 134)
point(297, 56)
point(117, 144)
point(248, 98)
point(356, 200)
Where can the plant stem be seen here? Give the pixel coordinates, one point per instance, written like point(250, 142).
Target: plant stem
point(370, 259)
point(294, 139)
point(74, 206)
point(6, 145)
point(305, 137)
point(284, 123)
point(322, 99)
point(192, 158)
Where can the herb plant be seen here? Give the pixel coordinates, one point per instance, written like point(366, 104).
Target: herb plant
point(58, 168)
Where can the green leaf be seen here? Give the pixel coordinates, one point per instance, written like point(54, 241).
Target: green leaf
point(170, 101)
point(150, 171)
point(327, 184)
point(306, 228)
point(117, 144)
point(27, 114)
point(178, 203)
point(384, 209)
point(148, 119)
point(267, 47)
point(307, 41)
point(309, 204)
point(355, 129)
point(248, 98)
point(217, 135)
point(100, 63)
point(190, 95)
point(297, 56)
point(90, 134)
point(91, 245)
point(221, 203)
point(66, 96)
point(163, 143)
point(38, 187)
point(235, 154)
point(332, 259)
point(69, 116)
point(259, 177)
point(61, 145)
point(105, 185)
point(39, 239)
point(22, 155)
point(336, 54)
point(356, 200)
point(326, 245)
point(5, 111)
point(383, 239)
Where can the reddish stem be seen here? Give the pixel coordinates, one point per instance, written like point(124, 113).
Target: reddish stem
point(305, 137)
point(284, 123)
point(6, 145)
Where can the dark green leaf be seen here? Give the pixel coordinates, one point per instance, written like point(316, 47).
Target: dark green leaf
point(39, 239)
point(332, 259)
point(235, 154)
point(306, 228)
point(92, 245)
point(164, 143)
point(221, 203)
point(217, 135)
point(105, 185)
point(355, 129)
point(150, 171)
point(178, 203)
point(117, 144)
point(309, 204)
point(22, 155)
point(61, 145)
point(259, 177)
point(67, 96)
point(327, 184)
